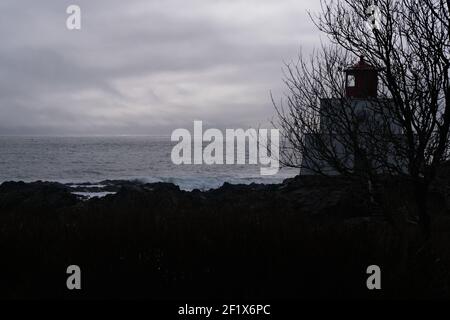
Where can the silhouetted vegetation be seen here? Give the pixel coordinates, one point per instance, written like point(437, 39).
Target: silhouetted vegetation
point(308, 237)
point(403, 129)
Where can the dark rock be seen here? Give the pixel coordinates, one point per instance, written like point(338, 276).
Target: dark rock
point(238, 241)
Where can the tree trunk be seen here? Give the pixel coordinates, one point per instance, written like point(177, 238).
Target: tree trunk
point(421, 195)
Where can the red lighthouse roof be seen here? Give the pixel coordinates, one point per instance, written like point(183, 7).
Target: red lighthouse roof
point(361, 80)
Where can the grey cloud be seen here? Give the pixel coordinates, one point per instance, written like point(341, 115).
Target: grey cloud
point(145, 67)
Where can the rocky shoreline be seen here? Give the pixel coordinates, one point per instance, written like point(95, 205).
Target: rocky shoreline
point(309, 237)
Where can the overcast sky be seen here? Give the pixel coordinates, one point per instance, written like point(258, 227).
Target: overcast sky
point(146, 66)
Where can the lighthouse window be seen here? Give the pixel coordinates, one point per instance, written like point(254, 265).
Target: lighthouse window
point(350, 80)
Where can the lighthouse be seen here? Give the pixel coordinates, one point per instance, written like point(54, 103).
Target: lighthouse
point(349, 141)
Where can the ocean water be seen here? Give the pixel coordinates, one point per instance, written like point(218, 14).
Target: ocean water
point(94, 159)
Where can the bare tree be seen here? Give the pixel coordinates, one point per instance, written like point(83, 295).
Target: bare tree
point(405, 129)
